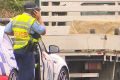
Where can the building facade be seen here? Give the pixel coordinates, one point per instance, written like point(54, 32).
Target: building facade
point(62, 12)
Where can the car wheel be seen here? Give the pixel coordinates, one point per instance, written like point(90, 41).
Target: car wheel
point(63, 75)
point(13, 75)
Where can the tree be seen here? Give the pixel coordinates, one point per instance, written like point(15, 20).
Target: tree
point(10, 8)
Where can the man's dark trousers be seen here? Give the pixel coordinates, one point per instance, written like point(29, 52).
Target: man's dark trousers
point(26, 64)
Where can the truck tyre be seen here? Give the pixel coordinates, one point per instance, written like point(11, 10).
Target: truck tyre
point(63, 75)
point(13, 75)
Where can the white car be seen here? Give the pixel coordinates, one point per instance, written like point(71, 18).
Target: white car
point(49, 66)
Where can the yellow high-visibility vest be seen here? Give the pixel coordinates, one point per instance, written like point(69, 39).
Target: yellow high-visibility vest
point(21, 27)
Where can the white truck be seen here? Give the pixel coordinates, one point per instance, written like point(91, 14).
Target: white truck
point(88, 56)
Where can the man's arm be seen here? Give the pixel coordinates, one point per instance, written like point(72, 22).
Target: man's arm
point(38, 28)
point(37, 15)
point(8, 29)
point(39, 25)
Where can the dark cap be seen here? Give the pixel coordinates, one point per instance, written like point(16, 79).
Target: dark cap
point(30, 5)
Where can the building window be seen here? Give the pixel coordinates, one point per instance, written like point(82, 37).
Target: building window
point(44, 13)
point(58, 23)
point(54, 23)
point(55, 3)
point(59, 13)
point(85, 13)
point(118, 13)
point(54, 13)
point(90, 4)
point(61, 23)
point(118, 3)
point(46, 23)
point(44, 3)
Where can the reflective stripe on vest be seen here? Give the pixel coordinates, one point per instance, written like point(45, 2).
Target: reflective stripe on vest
point(21, 28)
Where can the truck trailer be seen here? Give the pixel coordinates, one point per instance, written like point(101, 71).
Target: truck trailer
point(88, 56)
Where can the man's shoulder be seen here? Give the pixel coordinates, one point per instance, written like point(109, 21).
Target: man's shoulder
point(15, 17)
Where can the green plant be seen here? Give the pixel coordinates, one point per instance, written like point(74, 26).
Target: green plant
point(10, 8)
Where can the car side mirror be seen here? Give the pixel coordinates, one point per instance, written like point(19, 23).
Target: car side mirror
point(53, 49)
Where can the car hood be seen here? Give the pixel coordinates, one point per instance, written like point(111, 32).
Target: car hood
point(57, 59)
point(1, 33)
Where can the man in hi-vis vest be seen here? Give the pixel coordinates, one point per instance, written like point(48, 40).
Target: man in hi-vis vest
point(23, 26)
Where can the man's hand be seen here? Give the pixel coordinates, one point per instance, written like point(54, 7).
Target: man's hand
point(37, 14)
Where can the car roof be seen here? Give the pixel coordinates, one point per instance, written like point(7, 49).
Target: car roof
point(1, 33)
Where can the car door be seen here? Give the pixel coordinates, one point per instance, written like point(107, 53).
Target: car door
point(8, 51)
point(47, 66)
point(7, 56)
